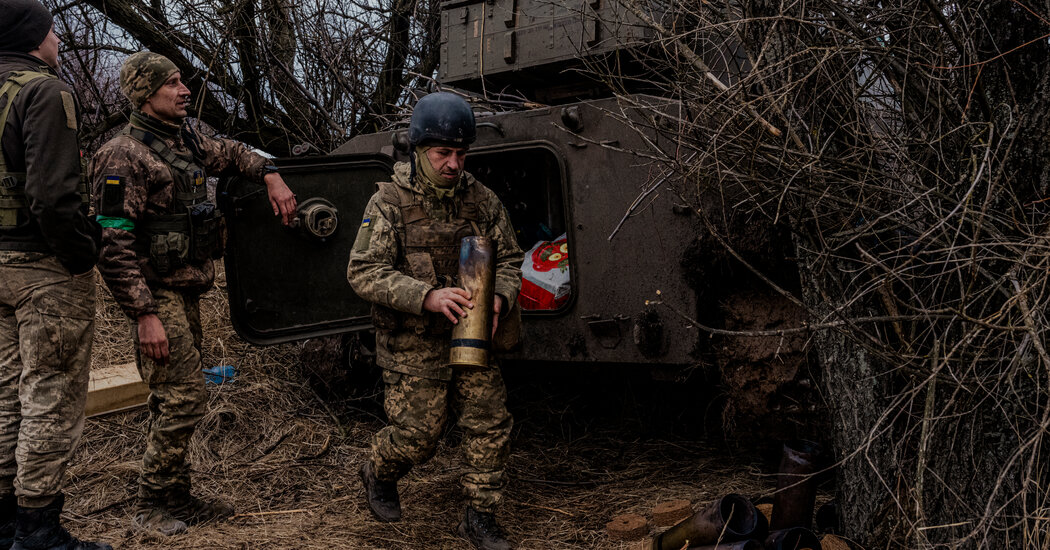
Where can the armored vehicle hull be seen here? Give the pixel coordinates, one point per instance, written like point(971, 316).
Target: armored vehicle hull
point(607, 230)
point(581, 171)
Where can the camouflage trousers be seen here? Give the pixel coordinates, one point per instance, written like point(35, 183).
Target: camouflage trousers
point(177, 398)
point(417, 409)
point(47, 321)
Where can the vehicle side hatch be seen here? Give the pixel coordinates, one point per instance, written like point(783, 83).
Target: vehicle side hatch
point(290, 283)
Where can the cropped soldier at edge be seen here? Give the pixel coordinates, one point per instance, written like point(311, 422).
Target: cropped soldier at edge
point(48, 250)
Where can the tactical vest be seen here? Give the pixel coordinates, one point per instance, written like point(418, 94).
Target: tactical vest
point(431, 253)
point(14, 207)
point(192, 233)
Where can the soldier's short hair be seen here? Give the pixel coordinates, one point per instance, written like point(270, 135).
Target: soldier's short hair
point(142, 74)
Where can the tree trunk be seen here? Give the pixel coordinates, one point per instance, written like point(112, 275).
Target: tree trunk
point(855, 394)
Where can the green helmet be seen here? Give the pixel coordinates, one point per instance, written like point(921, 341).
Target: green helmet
point(142, 74)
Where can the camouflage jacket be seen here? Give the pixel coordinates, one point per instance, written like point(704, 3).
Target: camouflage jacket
point(141, 187)
point(379, 248)
point(40, 139)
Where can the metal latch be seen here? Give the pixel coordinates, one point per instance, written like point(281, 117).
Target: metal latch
point(318, 218)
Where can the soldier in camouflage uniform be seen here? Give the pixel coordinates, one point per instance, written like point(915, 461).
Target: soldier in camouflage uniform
point(48, 250)
point(48, 247)
point(404, 262)
point(160, 234)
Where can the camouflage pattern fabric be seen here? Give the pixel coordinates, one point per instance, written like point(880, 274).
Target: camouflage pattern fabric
point(131, 184)
point(378, 249)
point(417, 409)
point(177, 398)
point(420, 386)
point(46, 328)
point(142, 74)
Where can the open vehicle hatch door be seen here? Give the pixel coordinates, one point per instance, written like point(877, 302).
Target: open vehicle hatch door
point(290, 283)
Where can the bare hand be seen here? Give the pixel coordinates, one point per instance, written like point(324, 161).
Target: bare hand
point(153, 341)
point(449, 301)
point(281, 198)
point(497, 306)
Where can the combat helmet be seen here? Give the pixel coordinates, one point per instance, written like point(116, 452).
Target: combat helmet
point(442, 117)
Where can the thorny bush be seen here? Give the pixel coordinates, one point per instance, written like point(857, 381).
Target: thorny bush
point(903, 145)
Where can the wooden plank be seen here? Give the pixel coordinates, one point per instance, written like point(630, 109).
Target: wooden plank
point(115, 388)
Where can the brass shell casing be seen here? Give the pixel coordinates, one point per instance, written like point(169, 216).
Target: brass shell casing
point(471, 336)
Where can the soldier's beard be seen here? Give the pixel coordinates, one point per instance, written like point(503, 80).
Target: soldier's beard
point(429, 174)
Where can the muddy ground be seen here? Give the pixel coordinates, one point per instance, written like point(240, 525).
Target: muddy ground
point(588, 444)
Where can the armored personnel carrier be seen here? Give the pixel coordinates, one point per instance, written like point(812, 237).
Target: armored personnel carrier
point(606, 229)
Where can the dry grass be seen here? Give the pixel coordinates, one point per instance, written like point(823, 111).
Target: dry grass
point(269, 445)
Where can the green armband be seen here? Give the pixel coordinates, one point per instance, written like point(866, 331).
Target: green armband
point(116, 223)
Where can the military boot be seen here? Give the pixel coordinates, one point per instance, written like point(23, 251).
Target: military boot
point(153, 514)
point(193, 510)
point(39, 529)
point(8, 510)
point(382, 496)
point(482, 530)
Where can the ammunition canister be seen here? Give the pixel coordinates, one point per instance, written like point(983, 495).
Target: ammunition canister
point(471, 336)
point(796, 486)
point(728, 519)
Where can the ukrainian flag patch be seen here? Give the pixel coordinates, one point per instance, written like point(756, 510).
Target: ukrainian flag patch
point(114, 180)
point(366, 222)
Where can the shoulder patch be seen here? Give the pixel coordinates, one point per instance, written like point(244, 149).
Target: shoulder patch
point(70, 108)
point(364, 236)
point(112, 196)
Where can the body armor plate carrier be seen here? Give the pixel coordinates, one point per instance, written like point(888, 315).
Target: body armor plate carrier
point(431, 254)
point(14, 207)
point(192, 234)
